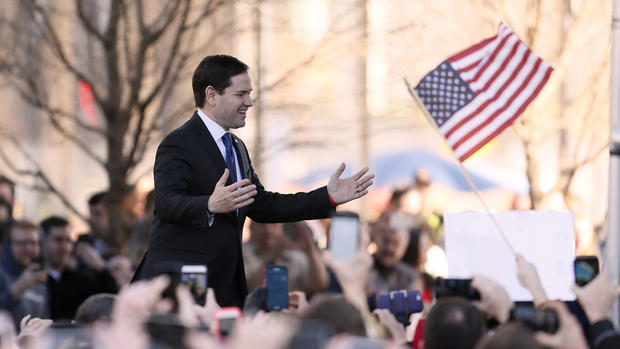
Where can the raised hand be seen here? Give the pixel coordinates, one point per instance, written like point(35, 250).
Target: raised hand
point(344, 190)
point(232, 197)
point(494, 300)
point(597, 297)
point(569, 334)
point(528, 278)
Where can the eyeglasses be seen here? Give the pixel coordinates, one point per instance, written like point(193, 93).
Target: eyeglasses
point(24, 243)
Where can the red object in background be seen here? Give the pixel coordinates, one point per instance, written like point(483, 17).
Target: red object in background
point(87, 104)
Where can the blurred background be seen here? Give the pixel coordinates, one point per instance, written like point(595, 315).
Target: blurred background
point(88, 88)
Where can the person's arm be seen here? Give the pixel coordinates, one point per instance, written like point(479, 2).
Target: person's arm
point(528, 278)
point(569, 334)
point(494, 300)
point(596, 299)
point(30, 277)
point(317, 278)
point(352, 274)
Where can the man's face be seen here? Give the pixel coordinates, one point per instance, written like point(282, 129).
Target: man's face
point(24, 245)
point(58, 246)
point(232, 106)
point(390, 247)
point(99, 217)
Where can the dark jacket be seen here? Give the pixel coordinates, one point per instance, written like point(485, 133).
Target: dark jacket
point(73, 287)
point(187, 166)
point(603, 336)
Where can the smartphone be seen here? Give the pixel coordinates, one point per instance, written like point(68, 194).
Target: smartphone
point(536, 319)
point(586, 269)
point(195, 277)
point(455, 288)
point(225, 320)
point(344, 231)
point(401, 303)
point(86, 238)
point(277, 288)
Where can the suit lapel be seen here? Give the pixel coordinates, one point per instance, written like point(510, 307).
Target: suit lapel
point(208, 144)
point(243, 160)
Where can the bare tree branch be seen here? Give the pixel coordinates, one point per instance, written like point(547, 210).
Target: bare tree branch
point(87, 22)
point(37, 173)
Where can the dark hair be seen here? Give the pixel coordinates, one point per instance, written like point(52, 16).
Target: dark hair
point(52, 222)
point(97, 198)
point(335, 312)
point(215, 71)
point(510, 336)
point(97, 307)
point(453, 323)
point(412, 254)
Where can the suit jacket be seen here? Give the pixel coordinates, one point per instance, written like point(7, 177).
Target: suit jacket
point(187, 166)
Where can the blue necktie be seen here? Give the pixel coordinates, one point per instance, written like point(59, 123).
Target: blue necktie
point(230, 157)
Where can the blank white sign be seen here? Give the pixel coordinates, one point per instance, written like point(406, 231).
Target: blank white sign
point(544, 238)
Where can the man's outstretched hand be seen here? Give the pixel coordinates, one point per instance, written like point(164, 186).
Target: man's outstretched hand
point(344, 190)
point(227, 198)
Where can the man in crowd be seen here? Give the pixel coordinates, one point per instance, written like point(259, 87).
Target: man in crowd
point(268, 246)
point(389, 272)
point(67, 286)
point(22, 278)
point(205, 186)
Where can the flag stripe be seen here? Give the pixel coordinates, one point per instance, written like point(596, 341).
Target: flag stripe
point(501, 48)
point(474, 52)
point(468, 66)
point(491, 93)
point(497, 102)
point(464, 155)
point(503, 57)
point(475, 94)
point(503, 106)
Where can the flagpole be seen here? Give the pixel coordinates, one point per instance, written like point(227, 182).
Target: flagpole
point(429, 118)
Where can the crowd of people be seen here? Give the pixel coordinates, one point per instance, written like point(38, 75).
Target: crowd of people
point(57, 291)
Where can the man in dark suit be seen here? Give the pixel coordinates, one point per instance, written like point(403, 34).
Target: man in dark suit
point(205, 186)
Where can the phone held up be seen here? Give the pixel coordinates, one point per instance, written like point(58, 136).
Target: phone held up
point(586, 269)
point(195, 277)
point(277, 288)
point(225, 320)
point(344, 232)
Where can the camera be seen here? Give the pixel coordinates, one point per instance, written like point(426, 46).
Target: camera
point(455, 288)
point(545, 320)
point(401, 303)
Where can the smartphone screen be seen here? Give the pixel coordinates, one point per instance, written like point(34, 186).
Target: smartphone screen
point(344, 234)
point(586, 269)
point(277, 288)
point(195, 277)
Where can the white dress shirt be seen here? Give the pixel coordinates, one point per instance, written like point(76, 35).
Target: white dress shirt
point(217, 132)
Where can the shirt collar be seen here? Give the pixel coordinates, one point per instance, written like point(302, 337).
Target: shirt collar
point(216, 130)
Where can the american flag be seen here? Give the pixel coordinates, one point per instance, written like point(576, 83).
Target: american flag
point(475, 94)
